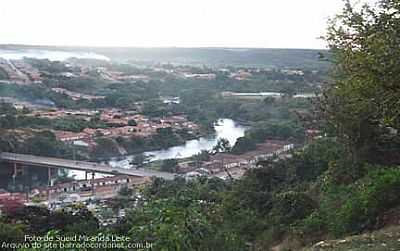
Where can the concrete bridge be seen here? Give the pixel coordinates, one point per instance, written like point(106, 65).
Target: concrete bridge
point(88, 167)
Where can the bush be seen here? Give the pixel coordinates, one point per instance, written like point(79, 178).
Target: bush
point(316, 158)
point(288, 208)
point(310, 228)
point(11, 233)
point(105, 148)
point(169, 165)
point(376, 193)
point(291, 206)
point(354, 208)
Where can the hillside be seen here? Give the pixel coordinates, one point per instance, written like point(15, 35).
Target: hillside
point(382, 240)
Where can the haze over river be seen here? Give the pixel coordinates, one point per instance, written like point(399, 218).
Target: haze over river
point(224, 128)
point(48, 54)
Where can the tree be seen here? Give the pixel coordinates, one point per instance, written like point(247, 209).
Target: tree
point(63, 177)
point(165, 137)
point(154, 108)
point(105, 148)
point(222, 146)
point(125, 191)
point(182, 215)
point(132, 122)
point(169, 165)
point(269, 101)
point(362, 103)
point(44, 143)
point(202, 156)
point(139, 160)
point(244, 144)
point(289, 91)
point(7, 108)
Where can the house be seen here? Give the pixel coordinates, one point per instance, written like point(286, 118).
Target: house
point(10, 202)
point(103, 187)
point(205, 76)
point(66, 136)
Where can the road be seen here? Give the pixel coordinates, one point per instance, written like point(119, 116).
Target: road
point(80, 165)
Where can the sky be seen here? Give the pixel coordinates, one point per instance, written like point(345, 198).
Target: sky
point(167, 23)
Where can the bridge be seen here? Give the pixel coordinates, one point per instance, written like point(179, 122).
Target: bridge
point(88, 167)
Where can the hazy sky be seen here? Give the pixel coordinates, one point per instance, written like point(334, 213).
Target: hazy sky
point(181, 23)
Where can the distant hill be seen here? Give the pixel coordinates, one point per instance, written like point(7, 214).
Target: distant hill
point(271, 58)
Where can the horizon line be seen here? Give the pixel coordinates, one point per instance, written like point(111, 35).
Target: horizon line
point(157, 47)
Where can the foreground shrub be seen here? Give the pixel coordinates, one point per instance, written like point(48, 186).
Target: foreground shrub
point(376, 193)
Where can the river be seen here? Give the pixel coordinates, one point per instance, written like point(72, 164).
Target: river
point(224, 128)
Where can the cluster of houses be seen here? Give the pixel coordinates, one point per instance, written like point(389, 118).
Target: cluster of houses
point(205, 76)
point(81, 190)
point(118, 123)
point(220, 163)
point(10, 201)
point(20, 72)
point(116, 76)
point(76, 95)
point(95, 193)
point(241, 75)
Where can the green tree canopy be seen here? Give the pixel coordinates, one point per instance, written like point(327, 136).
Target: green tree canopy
point(363, 102)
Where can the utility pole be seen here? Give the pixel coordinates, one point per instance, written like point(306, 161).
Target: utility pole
point(73, 151)
point(92, 183)
point(14, 176)
point(26, 187)
point(226, 170)
point(48, 183)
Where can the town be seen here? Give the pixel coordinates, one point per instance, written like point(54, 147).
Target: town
point(188, 125)
point(94, 127)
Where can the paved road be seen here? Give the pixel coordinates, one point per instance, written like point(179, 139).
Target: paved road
point(80, 165)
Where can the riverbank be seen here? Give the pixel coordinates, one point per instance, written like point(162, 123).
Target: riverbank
point(224, 128)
